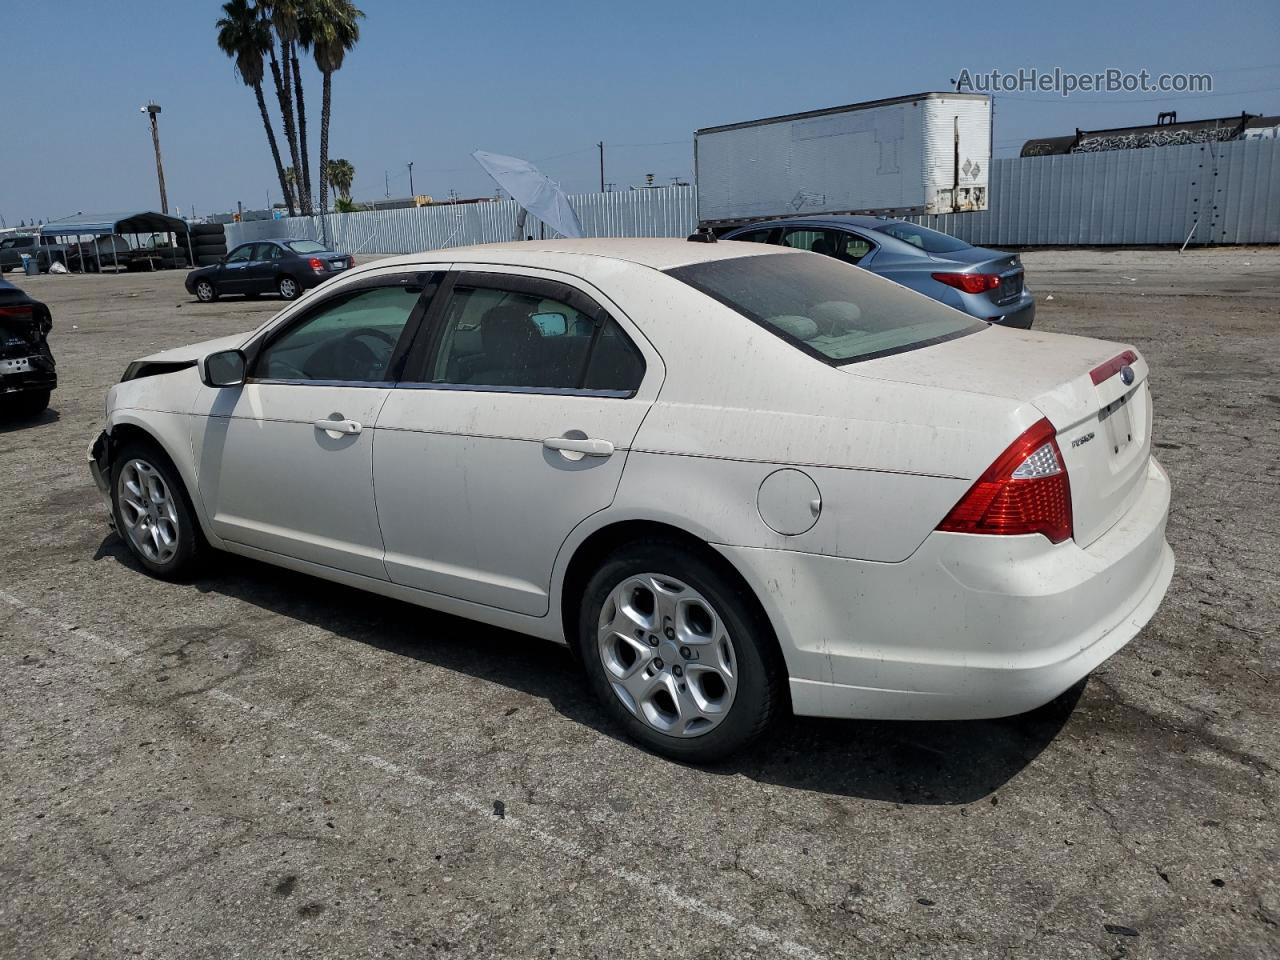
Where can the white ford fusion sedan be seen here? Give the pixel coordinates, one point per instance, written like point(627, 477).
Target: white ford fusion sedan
point(735, 479)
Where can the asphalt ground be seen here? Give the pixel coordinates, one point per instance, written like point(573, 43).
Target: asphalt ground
point(261, 764)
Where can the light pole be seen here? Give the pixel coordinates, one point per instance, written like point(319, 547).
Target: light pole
point(411, 193)
point(152, 109)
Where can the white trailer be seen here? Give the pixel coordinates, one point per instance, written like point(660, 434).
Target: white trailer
point(927, 153)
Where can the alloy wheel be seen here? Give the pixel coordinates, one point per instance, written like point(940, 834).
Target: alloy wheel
point(667, 655)
point(288, 288)
point(148, 511)
point(204, 291)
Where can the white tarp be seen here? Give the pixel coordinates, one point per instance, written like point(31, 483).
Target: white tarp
point(533, 191)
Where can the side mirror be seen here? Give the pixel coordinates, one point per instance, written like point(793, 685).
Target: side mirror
point(551, 324)
point(226, 368)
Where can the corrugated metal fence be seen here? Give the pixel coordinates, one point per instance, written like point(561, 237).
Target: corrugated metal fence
point(1225, 192)
point(665, 212)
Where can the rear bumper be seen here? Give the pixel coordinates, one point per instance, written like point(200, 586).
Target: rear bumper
point(967, 627)
point(308, 279)
point(1020, 314)
point(42, 375)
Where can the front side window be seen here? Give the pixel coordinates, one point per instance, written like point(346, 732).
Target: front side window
point(827, 309)
point(832, 243)
point(351, 338)
point(240, 254)
point(501, 338)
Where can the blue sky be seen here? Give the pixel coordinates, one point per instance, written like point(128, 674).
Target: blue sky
point(432, 81)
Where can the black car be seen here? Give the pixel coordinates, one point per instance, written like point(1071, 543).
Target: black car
point(286, 267)
point(28, 373)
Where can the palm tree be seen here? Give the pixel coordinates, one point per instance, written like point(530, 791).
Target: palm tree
point(280, 74)
point(289, 19)
point(335, 30)
point(244, 37)
point(341, 173)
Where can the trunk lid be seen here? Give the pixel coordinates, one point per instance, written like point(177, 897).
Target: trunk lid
point(21, 334)
point(1103, 428)
point(1007, 266)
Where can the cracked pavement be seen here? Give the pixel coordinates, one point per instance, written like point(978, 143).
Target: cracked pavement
point(260, 763)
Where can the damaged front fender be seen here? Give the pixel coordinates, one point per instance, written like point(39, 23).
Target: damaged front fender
point(99, 457)
point(100, 463)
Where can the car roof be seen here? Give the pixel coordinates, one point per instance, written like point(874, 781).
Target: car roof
point(658, 253)
point(835, 219)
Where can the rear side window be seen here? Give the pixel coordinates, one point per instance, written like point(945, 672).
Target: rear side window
point(506, 339)
point(828, 309)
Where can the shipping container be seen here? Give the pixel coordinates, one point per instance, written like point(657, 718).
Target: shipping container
point(922, 154)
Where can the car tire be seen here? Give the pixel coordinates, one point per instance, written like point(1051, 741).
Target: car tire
point(679, 653)
point(213, 230)
point(29, 403)
point(288, 288)
point(205, 291)
point(153, 514)
point(210, 249)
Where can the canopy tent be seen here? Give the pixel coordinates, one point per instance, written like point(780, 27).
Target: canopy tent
point(108, 224)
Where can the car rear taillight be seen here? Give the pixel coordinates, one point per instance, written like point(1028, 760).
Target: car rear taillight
point(970, 282)
point(1105, 371)
point(317, 265)
point(1025, 491)
point(22, 311)
point(351, 261)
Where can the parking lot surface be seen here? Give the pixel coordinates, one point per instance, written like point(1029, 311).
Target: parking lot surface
point(263, 764)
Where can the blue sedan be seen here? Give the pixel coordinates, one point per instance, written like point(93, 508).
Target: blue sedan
point(984, 283)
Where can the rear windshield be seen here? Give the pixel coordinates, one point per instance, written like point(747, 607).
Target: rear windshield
point(832, 310)
point(930, 241)
point(306, 246)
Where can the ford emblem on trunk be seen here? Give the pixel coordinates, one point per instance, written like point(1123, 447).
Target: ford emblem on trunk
point(1126, 374)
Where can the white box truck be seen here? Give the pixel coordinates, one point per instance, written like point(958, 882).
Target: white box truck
point(927, 153)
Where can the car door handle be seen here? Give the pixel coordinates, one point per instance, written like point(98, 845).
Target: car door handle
point(586, 446)
point(338, 426)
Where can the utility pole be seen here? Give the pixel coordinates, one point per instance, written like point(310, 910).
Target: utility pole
point(601, 146)
point(411, 193)
point(152, 109)
point(386, 184)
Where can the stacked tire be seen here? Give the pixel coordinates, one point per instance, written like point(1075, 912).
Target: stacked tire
point(209, 241)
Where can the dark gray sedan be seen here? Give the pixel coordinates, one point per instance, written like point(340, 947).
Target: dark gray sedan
point(286, 266)
point(984, 283)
